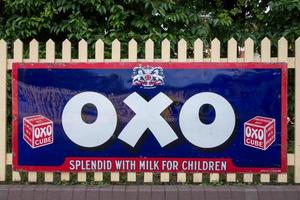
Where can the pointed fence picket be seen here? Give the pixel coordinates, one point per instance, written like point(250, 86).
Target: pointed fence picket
point(82, 57)
point(17, 57)
point(232, 56)
point(132, 57)
point(198, 57)
point(149, 57)
point(99, 57)
point(182, 56)
point(265, 57)
point(33, 57)
point(115, 57)
point(66, 57)
point(282, 57)
point(249, 57)
point(165, 57)
point(215, 57)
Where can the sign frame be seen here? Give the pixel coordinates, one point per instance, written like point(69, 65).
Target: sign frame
point(169, 65)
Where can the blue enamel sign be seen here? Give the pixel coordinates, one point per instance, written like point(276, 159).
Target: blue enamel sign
point(150, 117)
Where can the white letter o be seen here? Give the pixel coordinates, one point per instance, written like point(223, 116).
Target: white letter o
point(96, 133)
point(207, 135)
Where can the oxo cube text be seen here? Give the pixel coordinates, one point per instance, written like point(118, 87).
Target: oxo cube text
point(37, 131)
point(259, 132)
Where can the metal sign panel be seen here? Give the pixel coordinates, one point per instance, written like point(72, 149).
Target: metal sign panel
point(150, 117)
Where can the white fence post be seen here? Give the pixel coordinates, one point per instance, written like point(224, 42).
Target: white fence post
point(3, 140)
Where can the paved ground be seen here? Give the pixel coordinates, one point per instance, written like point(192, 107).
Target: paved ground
point(148, 192)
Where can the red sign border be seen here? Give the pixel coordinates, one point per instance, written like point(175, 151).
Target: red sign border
point(165, 65)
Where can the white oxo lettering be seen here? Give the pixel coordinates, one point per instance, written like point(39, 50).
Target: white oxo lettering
point(148, 116)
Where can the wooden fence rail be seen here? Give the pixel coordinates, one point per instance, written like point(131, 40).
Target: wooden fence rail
point(232, 47)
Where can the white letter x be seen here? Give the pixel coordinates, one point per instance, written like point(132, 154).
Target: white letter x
point(148, 116)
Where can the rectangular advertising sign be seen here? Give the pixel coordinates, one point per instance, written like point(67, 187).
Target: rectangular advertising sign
point(150, 117)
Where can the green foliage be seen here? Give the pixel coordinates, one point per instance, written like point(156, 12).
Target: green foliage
point(140, 19)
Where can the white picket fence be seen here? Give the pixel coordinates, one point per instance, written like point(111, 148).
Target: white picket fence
point(249, 56)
